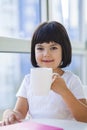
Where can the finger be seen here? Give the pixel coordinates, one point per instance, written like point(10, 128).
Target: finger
point(3, 123)
point(6, 122)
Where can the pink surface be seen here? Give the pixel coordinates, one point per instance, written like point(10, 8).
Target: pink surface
point(29, 125)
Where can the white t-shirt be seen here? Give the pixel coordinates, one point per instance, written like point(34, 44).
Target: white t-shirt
point(52, 105)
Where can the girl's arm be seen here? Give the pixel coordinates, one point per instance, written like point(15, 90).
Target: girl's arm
point(18, 114)
point(77, 107)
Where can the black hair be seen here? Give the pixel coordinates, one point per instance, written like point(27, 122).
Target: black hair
point(52, 32)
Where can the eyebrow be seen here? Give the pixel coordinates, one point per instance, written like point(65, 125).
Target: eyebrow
point(40, 45)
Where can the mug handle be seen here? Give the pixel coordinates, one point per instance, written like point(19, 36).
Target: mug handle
point(54, 74)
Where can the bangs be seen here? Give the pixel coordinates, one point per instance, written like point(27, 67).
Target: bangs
point(48, 34)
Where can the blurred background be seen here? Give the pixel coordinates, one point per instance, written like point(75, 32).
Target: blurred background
point(18, 20)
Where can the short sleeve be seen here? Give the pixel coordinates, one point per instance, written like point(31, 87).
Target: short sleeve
point(22, 92)
point(77, 87)
point(74, 84)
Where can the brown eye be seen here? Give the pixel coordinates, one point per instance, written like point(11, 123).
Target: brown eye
point(54, 48)
point(40, 48)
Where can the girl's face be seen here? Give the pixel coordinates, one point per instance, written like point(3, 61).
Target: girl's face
point(48, 55)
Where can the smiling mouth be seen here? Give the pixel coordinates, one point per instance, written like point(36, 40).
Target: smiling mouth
point(47, 61)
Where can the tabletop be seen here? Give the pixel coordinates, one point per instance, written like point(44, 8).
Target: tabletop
point(65, 124)
point(41, 124)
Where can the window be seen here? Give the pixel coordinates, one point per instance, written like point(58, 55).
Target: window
point(18, 19)
point(71, 18)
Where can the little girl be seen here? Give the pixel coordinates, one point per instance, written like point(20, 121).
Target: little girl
point(51, 48)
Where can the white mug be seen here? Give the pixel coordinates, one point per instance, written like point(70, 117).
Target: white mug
point(41, 80)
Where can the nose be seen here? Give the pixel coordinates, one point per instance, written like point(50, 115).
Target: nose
point(46, 52)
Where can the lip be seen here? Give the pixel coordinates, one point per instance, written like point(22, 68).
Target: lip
point(47, 61)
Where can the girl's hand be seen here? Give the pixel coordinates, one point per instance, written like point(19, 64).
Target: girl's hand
point(58, 85)
point(10, 117)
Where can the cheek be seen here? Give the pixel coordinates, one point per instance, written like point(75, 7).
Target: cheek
point(38, 56)
point(58, 58)
point(59, 61)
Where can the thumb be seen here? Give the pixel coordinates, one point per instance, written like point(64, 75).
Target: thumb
point(18, 116)
point(13, 118)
